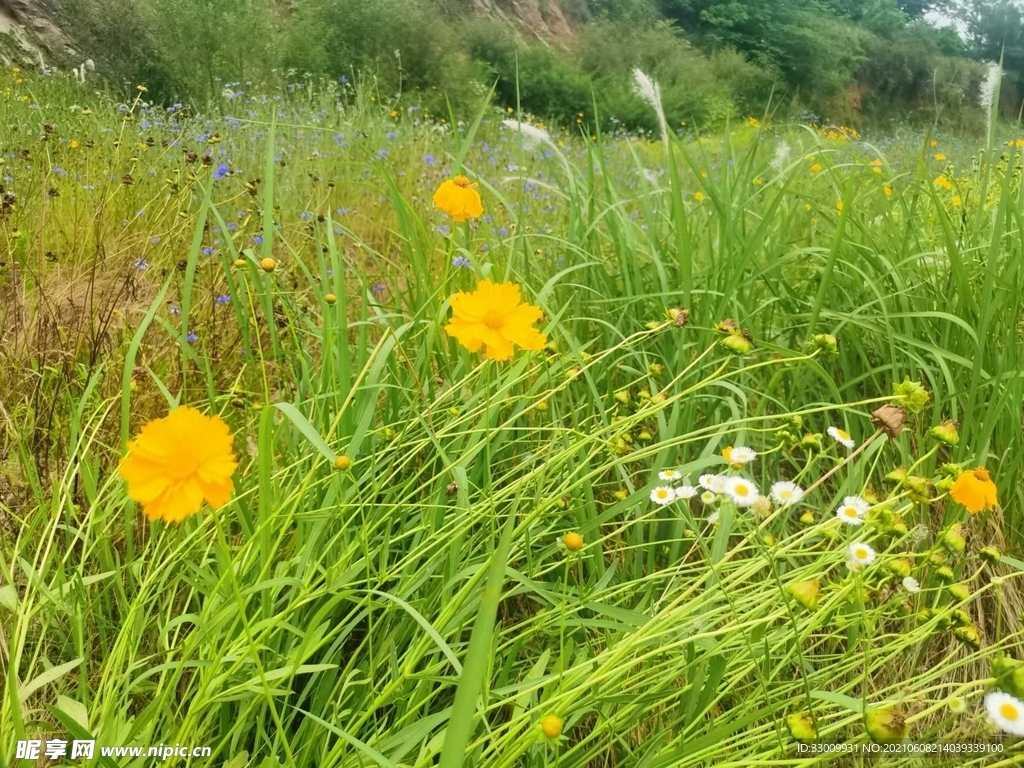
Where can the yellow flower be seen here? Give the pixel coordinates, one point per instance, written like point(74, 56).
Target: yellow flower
point(957, 200)
point(551, 726)
point(816, 168)
point(458, 199)
point(940, 156)
point(944, 182)
point(698, 196)
point(178, 461)
point(888, 190)
point(876, 165)
point(975, 490)
point(493, 317)
point(74, 144)
point(839, 205)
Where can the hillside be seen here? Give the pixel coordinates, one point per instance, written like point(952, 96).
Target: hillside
point(846, 61)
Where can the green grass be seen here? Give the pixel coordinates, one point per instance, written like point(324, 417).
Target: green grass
point(419, 606)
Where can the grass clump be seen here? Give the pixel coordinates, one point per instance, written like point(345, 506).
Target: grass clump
point(757, 483)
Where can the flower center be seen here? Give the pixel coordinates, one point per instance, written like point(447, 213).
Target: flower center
point(981, 473)
point(461, 181)
point(1009, 711)
point(843, 434)
point(494, 322)
point(742, 490)
point(860, 553)
point(784, 494)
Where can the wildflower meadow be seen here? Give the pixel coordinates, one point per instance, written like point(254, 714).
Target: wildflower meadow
point(339, 432)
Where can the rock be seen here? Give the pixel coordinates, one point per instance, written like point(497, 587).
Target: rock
point(543, 19)
point(29, 35)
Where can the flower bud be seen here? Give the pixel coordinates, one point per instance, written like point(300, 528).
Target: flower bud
point(960, 592)
point(945, 574)
point(825, 344)
point(900, 566)
point(1009, 675)
point(911, 395)
point(806, 593)
point(268, 265)
point(886, 726)
point(655, 369)
point(811, 441)
point(953, 539)
point(342, 462)
point(645, 436)
point(937, 558)
point(801, 727)
point(621, 494)
point(726, 326)
point(654, 325)
point(990, 555)
point(738, 344)
point(330, 298)
point(968, 635)
point(897, 476)
point(807, 518)
point(960, 617)
point(946, 433)
point(890, 418)
point(951, 470)
point(622, 396)
point(679, 317)
point(239, 262)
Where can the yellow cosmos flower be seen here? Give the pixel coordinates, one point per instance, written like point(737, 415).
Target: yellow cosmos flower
point(458, 199)
point(494, 318)
point(178, 461)
point(975, 490)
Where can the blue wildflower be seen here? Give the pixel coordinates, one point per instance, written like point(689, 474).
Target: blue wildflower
point(221, 171)
point(460, 262)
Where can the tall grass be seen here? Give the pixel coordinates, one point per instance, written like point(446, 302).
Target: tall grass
point(420, 605)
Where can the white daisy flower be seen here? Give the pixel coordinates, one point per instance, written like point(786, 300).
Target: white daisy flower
point(663, 495)
point(860, 555)
point(713, 518)
point(685, 492)
point(911, 585)
point(1005, 712)
point(739, 455)
point(705, 481)
point(852, 510)
point(668, 474)
point(708, 497)
point(841, 436)
point(743, 492)
point(785, 492)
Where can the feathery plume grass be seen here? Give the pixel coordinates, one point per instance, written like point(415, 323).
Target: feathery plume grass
point(990, 86)
point(531, 134)
point(649, 91)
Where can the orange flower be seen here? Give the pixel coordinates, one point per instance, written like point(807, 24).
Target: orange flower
point(493, 317)
point(178, 461)
point(458, 199)
point(975, 490)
